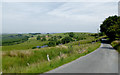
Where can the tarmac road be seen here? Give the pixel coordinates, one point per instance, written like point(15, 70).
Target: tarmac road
point(103, 60)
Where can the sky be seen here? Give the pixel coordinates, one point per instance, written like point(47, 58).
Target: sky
point(0, 18)
point(44, 17)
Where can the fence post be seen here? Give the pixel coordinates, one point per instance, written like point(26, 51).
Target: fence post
point(48, 58)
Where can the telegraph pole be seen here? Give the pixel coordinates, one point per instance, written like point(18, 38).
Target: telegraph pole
point(98, 32)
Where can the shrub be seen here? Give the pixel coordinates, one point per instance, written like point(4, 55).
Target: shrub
point(58, 42)
point(53, 39)
point(59, 37)
point(71, 34)
point(43, 39)
point(38, 37)
point(51, 43)
point(66, 40)
point(33, 47)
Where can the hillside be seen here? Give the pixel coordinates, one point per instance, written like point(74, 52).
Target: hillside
point(25, 57)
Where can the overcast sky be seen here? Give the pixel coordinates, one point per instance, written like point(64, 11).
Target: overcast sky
point(25, 17)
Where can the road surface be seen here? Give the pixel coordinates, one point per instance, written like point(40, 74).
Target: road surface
point(103, 60)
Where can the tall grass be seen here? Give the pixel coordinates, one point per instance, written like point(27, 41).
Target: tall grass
point(38, 60)
point(116, 45)
point(21, 58)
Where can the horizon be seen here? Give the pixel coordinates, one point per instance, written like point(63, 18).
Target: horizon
point(47, 32)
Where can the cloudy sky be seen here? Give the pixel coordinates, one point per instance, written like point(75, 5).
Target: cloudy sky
point(25, 17)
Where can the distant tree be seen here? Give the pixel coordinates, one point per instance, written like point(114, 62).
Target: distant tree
point(58, 42)
point(38, 37)
point(66, 40)
point(43, 39)
point(51, 43)
point(71, 34)
point(34, 33)
point(53, 39)
point(59, 37)
point(34, 47)
point(19, 35)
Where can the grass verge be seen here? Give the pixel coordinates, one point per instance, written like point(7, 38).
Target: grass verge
point(116, 45)
point(59, 55)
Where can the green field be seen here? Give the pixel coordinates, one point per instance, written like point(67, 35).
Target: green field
point(22, 58)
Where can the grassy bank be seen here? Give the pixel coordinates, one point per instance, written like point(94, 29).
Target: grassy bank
point(116, 45)
point(35, 61)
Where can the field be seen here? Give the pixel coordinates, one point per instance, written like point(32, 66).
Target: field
point(25, 57)
point(12, 39)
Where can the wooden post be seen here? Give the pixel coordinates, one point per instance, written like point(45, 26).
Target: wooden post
point(48, 58)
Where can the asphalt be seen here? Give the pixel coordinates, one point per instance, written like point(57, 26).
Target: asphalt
point(102, 60)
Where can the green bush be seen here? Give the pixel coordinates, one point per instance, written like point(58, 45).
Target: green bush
point(51, 43)
point(38, 37)
point(53, 38)
point(43, 39)
point(58, 42)
point(33, 47)
point(66, 40)
point(71, 34)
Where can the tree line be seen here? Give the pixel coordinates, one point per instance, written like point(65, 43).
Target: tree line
point(56, 40)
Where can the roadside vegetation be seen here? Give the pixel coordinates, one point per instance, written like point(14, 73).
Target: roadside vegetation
point(111, 28)
point(116, 45)
point(31, 56)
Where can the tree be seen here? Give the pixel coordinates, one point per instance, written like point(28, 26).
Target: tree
point(38, 37)
point(71, 34)
point(111, 27)
point(43, 39)
point(59, 37)
point(66, 40)
point(58, 42)
point(53, 38)
point(51, 43)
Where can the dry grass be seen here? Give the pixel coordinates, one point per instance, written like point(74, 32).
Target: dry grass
point(23, 53)
point(117, 42)
point(62, 46)
point(116, 45)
